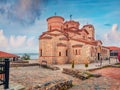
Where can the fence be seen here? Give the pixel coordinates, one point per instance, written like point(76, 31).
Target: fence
point(4, 73)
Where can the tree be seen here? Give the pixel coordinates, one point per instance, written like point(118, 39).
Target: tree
point(26, 57)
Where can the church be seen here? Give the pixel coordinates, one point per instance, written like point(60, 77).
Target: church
point(65, 42)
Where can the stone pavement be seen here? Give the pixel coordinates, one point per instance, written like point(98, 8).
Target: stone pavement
point(13, 86)
point(102, 83)
point(90, 66)
point(31, 76)
point(110, 72)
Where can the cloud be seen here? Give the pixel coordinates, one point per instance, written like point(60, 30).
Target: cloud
point(3, 40)
point(30, 42)
point(18, 43)
point(22, 11)
point(112, 37)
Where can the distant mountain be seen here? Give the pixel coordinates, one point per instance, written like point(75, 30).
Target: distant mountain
point(26, 53)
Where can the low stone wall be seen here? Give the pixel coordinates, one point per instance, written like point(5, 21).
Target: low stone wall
point(20, 61)
point(50, 67)
point(81, 74)
point(23, 64)
point(54, 85)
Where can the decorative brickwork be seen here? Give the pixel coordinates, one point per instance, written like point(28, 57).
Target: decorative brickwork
point(62, 36)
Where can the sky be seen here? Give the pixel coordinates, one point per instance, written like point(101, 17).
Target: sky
point(23, 21)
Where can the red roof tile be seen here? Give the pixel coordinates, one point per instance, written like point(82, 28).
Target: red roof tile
point(84, 41)
point(114, 48)
point(77, 45)
point(7, 55)
point(61, 44)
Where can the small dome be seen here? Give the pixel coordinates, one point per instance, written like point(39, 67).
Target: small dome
point(55, 18)
point(88, 25)
point(71, 23)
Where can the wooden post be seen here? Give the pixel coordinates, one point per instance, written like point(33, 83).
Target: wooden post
point(6, 82)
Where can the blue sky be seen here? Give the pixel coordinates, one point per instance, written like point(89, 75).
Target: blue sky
point(22, 21)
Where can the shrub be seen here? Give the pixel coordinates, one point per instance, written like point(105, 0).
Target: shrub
point(25, 57)
point(73, 64)
point(86, 65)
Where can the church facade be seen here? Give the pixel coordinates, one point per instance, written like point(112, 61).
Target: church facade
point(65, 41)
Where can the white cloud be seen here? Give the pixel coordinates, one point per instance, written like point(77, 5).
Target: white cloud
point(30, 41)
point(3, 40)
point(112, 37)
point(83, 21)
point(16, 44)
point(17, 41)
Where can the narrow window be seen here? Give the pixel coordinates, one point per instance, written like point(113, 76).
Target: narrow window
point(61, 27)
point(79, 51)
point(83, 37)
point(50, 27)
point(67, 26)
point(41, 52)
point(59, 53)
point(76, 51)
point(66, 52)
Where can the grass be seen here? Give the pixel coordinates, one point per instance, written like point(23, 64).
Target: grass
point(117, 64)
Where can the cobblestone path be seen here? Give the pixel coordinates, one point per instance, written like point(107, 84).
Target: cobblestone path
point(110, 72)
point(31, 76)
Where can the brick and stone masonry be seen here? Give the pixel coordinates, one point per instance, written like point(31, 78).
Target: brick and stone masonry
point(64, 42)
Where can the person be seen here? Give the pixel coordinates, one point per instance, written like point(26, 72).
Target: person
point(119, 56)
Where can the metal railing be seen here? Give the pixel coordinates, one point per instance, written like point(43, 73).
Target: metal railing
point(4, 73)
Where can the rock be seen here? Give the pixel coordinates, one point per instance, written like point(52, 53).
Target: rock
point(79, 73)
point(96, 75)
point(54, 85)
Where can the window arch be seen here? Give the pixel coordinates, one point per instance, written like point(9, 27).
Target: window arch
point(66, 52)
point(40, 52)
point(76, 51)
point(59, 53)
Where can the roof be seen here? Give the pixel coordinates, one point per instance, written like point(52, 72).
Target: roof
point(7, 55)
point(61, 44)
point(51, 34)
point(72, 21)
point(88, 25)
point(105, 47)
point(84, 41)
point(77, 45)
point(98, 41)
point(114, 48)
point(84, 30)
point(55, 17)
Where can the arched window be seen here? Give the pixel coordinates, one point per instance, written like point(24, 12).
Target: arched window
point(76, 51)
point(40, 52)
point(66, 52)
point(59, 53)
point(67, 26)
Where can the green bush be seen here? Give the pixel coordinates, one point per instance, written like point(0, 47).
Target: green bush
point(0, 59)
point(25, 57)
point(73, 64)
point(86, 65)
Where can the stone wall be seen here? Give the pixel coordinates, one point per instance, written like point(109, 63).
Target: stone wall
point(54, 85)
point(62, 36)
point(81, 74)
